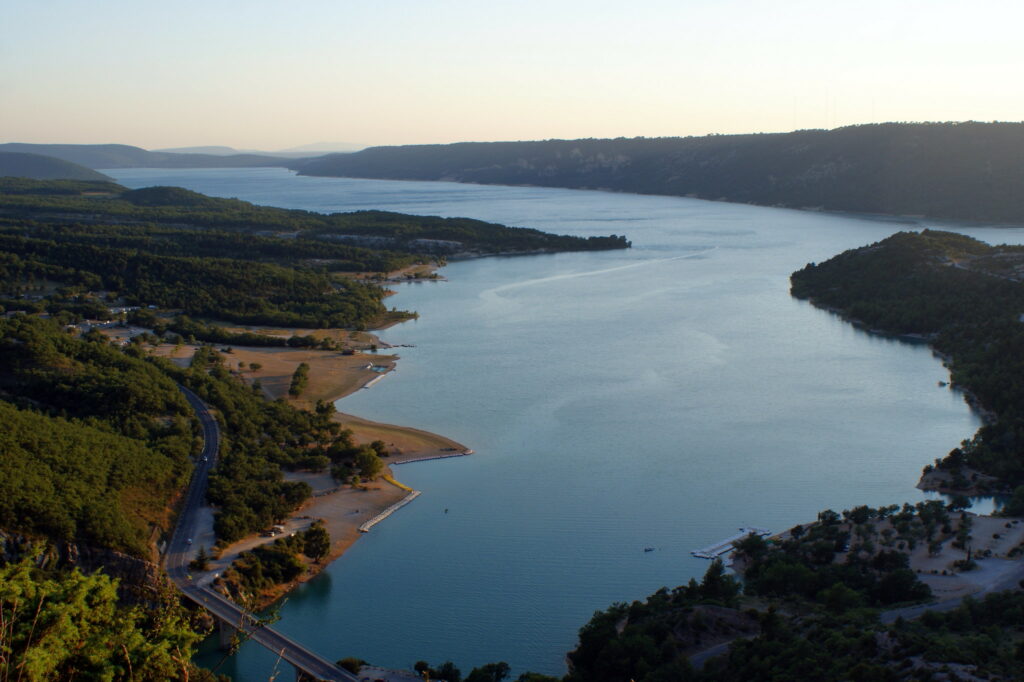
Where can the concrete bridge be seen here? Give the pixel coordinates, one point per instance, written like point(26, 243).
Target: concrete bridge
point(230, 616)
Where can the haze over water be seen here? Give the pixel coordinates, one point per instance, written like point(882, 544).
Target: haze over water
point(659, 397)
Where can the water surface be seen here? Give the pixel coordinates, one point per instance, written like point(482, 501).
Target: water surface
point(656, 397)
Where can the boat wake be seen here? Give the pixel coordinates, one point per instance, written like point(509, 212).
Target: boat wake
point(497, 291)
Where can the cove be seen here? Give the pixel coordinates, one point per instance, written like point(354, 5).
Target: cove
point(656, 397)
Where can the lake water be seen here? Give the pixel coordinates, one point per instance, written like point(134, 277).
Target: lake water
point(659, 397)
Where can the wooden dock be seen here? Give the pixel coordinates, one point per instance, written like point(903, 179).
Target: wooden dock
point(725, 546)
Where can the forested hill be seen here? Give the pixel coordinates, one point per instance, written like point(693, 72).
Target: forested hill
point(224, 258)
point(39, 167)
point(965, 296)
point(126, 156)
point(380, 232)
point(965, 171)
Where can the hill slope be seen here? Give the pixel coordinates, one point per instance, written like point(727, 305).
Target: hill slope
point(127, 156)
point(965, 171)
point(38, 167)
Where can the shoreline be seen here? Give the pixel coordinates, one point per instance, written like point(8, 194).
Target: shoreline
point(914, 219)
point(934, 481)
point(347, 512)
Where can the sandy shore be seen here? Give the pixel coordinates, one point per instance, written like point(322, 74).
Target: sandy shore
point(405, 442)
point(332, 374)
point(344, 509)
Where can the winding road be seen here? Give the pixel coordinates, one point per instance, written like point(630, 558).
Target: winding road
point(178, 555)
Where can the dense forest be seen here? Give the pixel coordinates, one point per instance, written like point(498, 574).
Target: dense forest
point(966, 297)
point(968, 171)
point(96, 441)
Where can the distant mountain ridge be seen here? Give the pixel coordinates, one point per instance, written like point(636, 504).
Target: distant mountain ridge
point(214, 149)
point(962, 171)
point(39, 167)
point(303, 151)
point(98, 156)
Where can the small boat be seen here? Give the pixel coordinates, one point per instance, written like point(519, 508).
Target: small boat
point(648, 549)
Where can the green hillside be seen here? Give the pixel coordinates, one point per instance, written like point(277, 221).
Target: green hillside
point(39, 167)
point(95, 442)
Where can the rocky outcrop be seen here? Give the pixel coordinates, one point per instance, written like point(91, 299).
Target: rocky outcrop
point(138, 579)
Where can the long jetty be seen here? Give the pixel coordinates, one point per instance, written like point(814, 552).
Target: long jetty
point(725, 546)
point(365, 528)
point(464, 453)
point(377, 378)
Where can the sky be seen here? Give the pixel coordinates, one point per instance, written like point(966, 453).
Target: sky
point(257, 74)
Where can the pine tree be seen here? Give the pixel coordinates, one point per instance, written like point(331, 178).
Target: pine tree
point(202, 560)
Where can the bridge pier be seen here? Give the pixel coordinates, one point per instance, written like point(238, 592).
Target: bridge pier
point(226, 633)
point(303, 676)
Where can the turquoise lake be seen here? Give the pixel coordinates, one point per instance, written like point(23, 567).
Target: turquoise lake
point(659, 397)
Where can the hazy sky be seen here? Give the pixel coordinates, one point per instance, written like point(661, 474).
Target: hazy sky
point(271, 75)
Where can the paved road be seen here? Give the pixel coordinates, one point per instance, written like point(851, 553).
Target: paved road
point(701, 657)
point(177, 557)
point(1011, 580)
